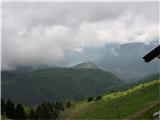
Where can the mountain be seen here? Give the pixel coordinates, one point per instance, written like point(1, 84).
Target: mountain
point(86, 65)
point(124, 60)
point(56, 84)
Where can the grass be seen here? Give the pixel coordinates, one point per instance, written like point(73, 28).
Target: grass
point(117, 105)
point(149, 113)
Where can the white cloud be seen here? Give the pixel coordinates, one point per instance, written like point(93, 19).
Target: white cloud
point(78, 50)
point(31, 38)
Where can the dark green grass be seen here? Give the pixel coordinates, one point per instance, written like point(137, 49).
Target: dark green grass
point(149, 114)
point(122, 104)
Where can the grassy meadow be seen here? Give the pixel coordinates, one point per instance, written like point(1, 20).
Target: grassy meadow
point(119, 105)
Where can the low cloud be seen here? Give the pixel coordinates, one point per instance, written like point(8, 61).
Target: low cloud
point(36, 33)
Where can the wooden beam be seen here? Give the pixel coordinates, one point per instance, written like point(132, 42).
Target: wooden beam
point(153, 54)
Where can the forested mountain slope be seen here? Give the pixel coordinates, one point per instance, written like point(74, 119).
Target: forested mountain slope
point(56, 84)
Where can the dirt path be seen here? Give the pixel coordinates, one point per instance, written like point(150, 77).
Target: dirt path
point(138, 114)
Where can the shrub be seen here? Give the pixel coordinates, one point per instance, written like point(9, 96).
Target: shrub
point(98, 98)
point(59, 106)
point(90, 99)
point(68, 104)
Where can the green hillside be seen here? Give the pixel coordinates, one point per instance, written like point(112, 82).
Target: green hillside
point(143, 99)
point(56, 84)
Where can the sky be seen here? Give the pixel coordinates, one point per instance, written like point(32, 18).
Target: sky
point(35, 33)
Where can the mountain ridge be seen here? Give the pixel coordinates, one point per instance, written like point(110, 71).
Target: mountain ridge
point(86, 65)
point(56, 84)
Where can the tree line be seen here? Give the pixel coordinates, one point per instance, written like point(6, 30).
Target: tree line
point(46, 110)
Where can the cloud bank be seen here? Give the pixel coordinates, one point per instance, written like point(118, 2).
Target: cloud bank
point(35, 33)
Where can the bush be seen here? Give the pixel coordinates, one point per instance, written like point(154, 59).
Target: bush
point(68, 104)
point(98, 98)
point(90, 99)
point(59, 106)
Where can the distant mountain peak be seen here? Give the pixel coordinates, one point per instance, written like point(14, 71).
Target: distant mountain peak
point(86, 65)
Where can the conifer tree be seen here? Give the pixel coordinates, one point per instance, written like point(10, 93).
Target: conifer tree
point(32, 114)
point(3, 107)
point(46, 111)
point(10, 109)
point(20, 113)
